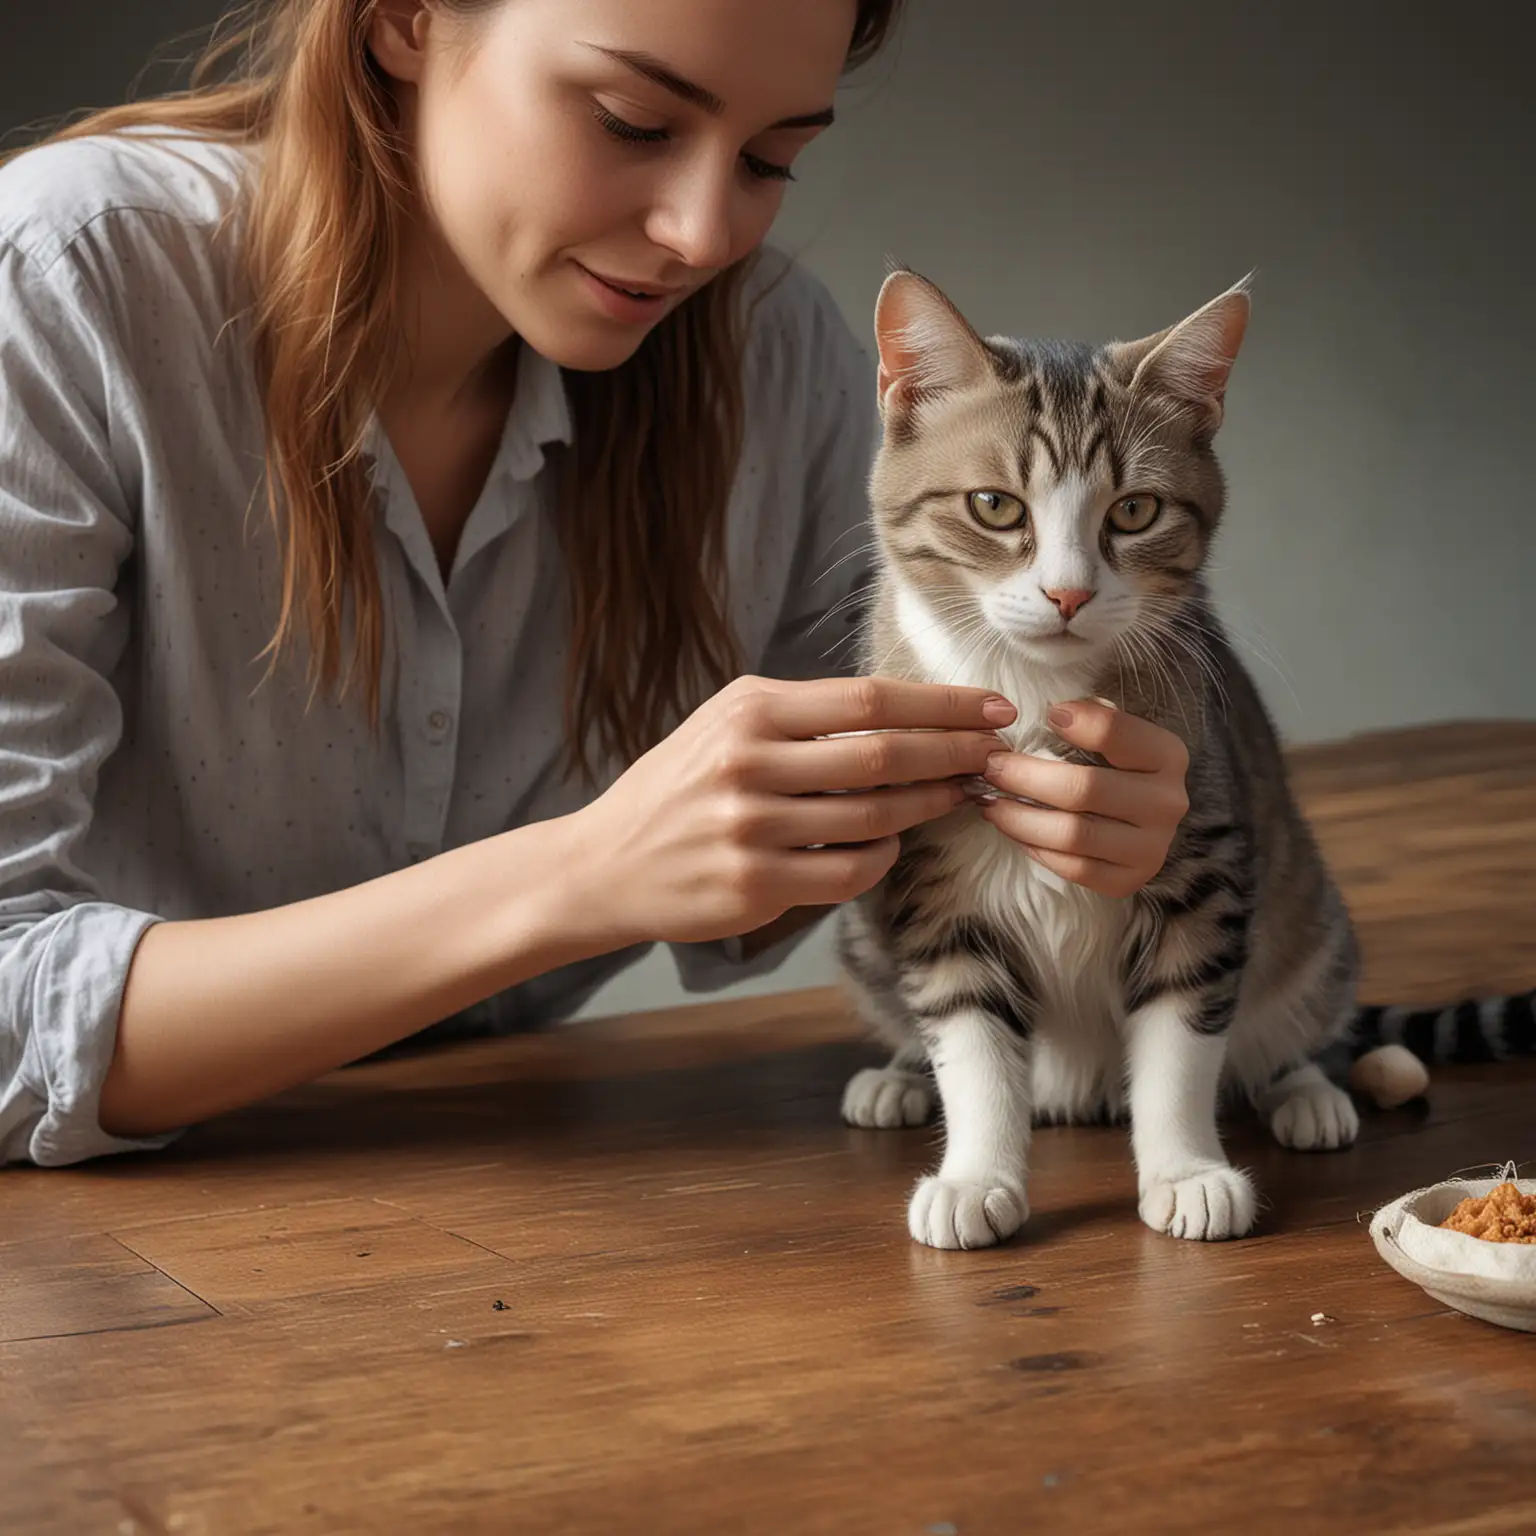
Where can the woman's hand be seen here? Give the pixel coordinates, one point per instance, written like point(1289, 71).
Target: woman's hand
point(729, 822)
point(1110, 828)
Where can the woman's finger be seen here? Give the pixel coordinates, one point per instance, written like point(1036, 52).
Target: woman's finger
point(1125, 740)
point(810, 820)
point(1134, 798)
point(833, 706)
point(1095, 874)
point(878, 759)
point(823, 877)
point(1089, 837)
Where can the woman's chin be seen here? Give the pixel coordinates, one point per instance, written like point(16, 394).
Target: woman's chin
point(584, 348)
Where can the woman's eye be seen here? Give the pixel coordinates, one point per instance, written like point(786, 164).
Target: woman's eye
point(1134, 514)
point(997, 509)
point(631, 133)
point(766, 170)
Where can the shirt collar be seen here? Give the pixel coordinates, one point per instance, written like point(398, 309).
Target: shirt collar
point(540, 414)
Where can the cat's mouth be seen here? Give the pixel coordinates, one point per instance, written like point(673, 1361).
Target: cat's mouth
point(1051, 648)
point(1064, 639)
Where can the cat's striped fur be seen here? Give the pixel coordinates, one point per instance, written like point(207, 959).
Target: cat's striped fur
point(1027, 997)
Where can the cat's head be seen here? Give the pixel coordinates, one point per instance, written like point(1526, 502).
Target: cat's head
point(1045, 500)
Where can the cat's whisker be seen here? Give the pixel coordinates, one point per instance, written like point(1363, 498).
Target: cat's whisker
point(1155, 639)
point(939, 623)
point(1180, 612)
point(1191, 638)
point(853, 600)
point(853, 554)
point(1144, 650)
point(1196, 649)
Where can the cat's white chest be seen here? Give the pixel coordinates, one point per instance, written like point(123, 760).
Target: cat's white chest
point(1072, 941)
point(1061, 926)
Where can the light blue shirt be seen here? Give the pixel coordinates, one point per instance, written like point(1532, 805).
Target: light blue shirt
point(145, 771)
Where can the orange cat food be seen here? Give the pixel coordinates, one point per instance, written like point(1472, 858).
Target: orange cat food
point(1503, 1215)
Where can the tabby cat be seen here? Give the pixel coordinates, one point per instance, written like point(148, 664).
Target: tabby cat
point(1043, 515)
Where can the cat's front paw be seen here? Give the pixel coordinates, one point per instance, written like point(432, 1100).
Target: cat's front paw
point(1215, 1203)
point(887, 1098)
point(1316, 1118)
point(955, 1213)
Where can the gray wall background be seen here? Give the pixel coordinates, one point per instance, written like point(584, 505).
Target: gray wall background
point(1100, 169)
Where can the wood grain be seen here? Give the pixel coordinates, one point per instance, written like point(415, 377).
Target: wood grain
point(89, 1284)
point(635, 1276)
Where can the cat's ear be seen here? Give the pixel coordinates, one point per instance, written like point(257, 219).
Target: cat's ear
point(926, 345)
point(1192, 361)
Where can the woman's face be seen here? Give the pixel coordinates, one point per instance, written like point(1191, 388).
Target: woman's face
point(589, 163)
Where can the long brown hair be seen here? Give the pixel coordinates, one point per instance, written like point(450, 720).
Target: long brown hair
point(643, 487)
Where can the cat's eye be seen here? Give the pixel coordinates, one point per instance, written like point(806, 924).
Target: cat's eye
point(1134, 514)
point(996, 509)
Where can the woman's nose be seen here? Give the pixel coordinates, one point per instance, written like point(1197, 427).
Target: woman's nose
point(692, 217)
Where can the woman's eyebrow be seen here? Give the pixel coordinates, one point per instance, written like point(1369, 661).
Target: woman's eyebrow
point(649, 67)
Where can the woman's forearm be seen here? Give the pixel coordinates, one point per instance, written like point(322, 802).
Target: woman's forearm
point(226, 1011)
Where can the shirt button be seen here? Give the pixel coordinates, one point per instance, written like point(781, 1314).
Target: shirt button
point(439, 721)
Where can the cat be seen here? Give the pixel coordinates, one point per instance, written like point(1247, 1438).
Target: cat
point(1043, 514)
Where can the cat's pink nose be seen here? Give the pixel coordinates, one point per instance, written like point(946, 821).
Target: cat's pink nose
point(1069, 600)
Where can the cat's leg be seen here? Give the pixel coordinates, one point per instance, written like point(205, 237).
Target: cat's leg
point(1174, 1060)
point(977, 1197)
point(976, 1019)
point(1277, 1037)
point(901, 1092)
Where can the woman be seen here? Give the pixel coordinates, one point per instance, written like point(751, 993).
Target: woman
point(399, 439)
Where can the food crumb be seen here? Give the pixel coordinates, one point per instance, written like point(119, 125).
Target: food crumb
point(1322, 1317)
point(1503, 1215)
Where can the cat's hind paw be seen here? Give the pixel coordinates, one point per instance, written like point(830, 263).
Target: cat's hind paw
point(886, 1098)
point(1216, 1203)
point(953, 1213)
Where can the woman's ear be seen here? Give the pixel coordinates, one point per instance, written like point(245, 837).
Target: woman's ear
point(397, 38)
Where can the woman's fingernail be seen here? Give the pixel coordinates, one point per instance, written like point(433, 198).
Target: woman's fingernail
point(999, 711)
point(995, 764)
point(1060, 716)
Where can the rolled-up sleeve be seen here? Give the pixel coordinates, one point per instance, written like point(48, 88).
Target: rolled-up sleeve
point(65, 533)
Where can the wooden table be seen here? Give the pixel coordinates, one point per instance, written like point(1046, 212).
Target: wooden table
point(636, 1277)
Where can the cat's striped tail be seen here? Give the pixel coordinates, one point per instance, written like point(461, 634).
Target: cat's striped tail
point(1392, 1046)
